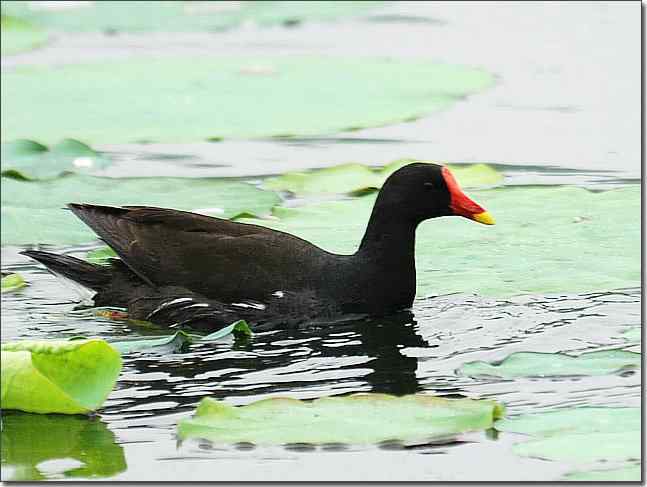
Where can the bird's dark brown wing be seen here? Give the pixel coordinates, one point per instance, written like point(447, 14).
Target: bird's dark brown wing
point(215, 257)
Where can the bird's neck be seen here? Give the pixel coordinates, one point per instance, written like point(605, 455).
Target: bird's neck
point(389, 239)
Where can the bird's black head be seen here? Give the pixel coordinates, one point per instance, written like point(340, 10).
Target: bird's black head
point(419, 191)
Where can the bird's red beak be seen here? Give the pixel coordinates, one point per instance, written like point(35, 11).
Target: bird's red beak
point(461, 205)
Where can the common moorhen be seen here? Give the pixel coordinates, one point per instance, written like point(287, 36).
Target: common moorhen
point(180, 268)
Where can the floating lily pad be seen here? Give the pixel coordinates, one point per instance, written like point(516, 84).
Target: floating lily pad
point(31, 439)
point(354, 419)
point(26, 159)
point(69, 377)
point(180, 340)
point(533, 364)
point(626, 474)
point(32, 210)
point(358, 178)
point(17, 35)
point(580, 434)
point(12, 282)
point(174, 16)
point(547, 239)
point(191, 99)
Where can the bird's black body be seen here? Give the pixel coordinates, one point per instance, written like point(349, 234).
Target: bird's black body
point(176, 266)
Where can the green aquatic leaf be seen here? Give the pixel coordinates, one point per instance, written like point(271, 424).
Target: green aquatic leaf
point(585, 434)
point(358, 178)
point(547, 239)
point(534, 364)
point(190, 99)
point(12, 282)
point(31, 439)
point(18, 35)
point(625, 474)
point(31, 219)
point(69, 377)
point(101, 255)
point(26, 159)
point(182, 16)
point(354, 419)
point(633, 334)
point(180, 340)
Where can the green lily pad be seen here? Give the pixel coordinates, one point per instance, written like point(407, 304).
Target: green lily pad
point(625, 474)
point(633, 334)
point(69, 377)
point(180, 340)
point(174, 16)
point(584, 434)
point(358, 178)
point(32, 210)
point(26, 159)
point(12, 282)
point(177, 100)
point(17, 35)
point(101, 255)
point(533, 364)
point(547, 239)
point(354, 419)
point(30, 439)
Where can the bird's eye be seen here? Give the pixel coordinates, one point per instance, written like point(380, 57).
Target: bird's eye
point(429, 186)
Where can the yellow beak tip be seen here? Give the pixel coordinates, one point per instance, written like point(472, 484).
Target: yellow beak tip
point(484, 218)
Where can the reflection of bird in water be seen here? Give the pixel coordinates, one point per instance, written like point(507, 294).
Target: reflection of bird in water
point(184, 268)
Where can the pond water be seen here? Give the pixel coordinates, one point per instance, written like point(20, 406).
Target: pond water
point(538, 125)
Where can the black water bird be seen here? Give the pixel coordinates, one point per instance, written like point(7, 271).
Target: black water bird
point(179, 268)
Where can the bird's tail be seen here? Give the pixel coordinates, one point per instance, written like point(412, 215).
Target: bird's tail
point(91, 276)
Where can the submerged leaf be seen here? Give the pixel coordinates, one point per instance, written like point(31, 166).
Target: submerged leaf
point(547, 239)
point(174, 99)
point(30, 219)
point(26, 159)
point(357, 178)
point(180, 340)
point(69, 377)
point(354, 419)
point(12, 282)
point(534, 364)
point(31, 439)
point(584, 434)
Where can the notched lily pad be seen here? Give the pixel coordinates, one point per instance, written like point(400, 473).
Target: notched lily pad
point(29, 160)
point(28, 440)
point(358, 179)
point(534, 364)
point(69, 377)
point(173, 100)
point(180, 340)
point(354, 419)
point(12, 282)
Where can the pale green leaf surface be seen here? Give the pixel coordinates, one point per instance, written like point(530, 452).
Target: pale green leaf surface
point(625, 474)
point(546, 240)
point(182, 16)
point(26, 159)
point(31, 219)
point(101, 255)
point(350, 178)
point(28, 440)
point(633, 334)
point(69, 377)
point(534, 364)
point(12, 282)
point(17, 35)
point(354, 419)
point(185, 99)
